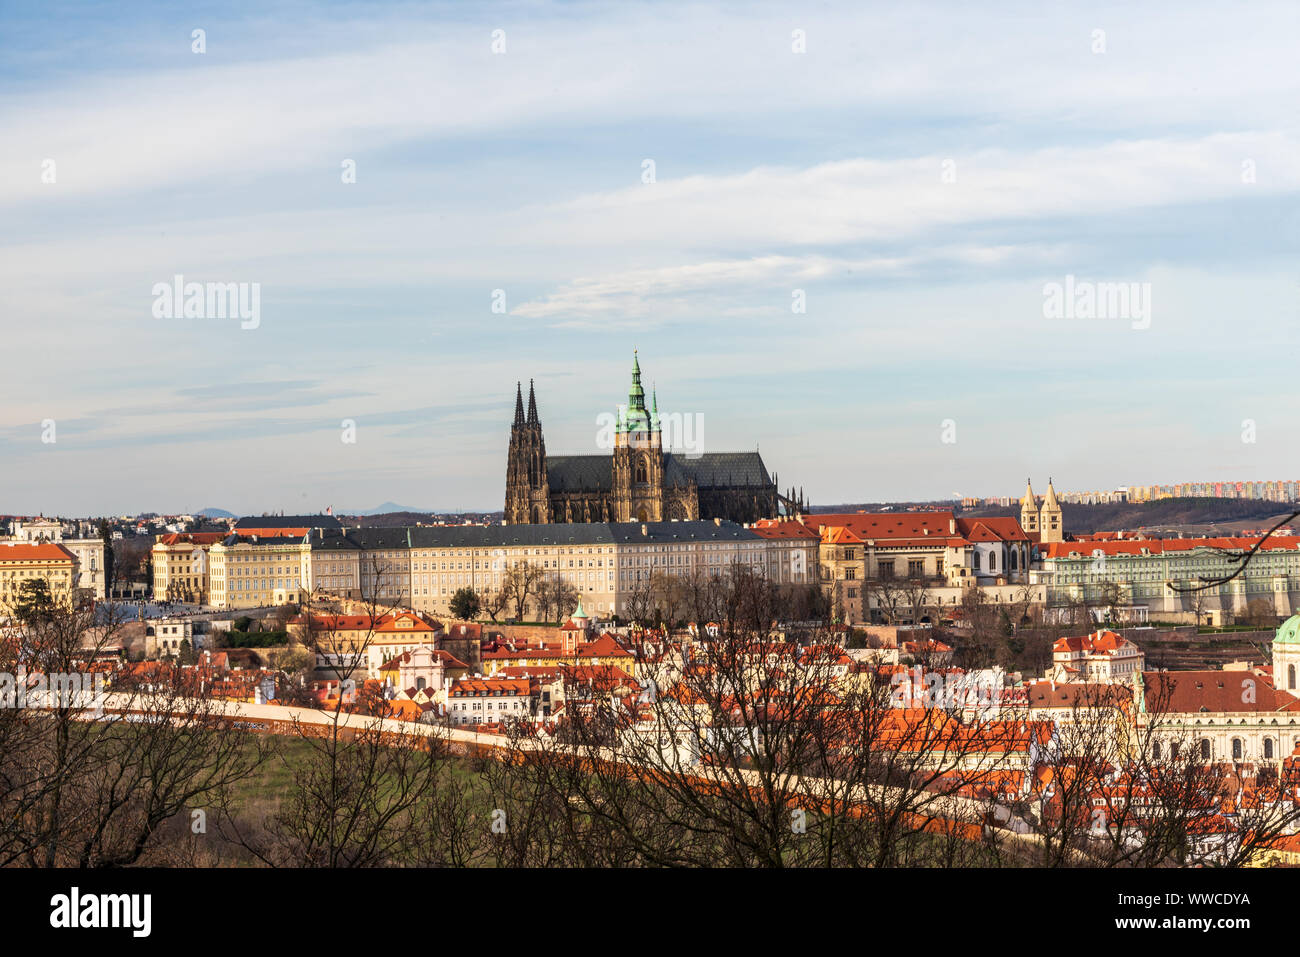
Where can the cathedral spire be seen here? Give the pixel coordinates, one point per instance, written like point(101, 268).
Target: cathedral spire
point(532, 405)
point(636, 418)
point(519, 404)
point(1049, 500)
point(636, 395)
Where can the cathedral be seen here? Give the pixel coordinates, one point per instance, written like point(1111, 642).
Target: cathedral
point(639, 482)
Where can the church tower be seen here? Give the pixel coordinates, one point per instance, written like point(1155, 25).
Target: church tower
point(1029, 511)
point(1049, 517)
point(527, 488)
point(638, 466)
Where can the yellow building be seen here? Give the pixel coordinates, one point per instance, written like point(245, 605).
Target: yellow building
point(20, 562)
point(604, 563)
point(254, 572)
point(909, 567)
point(180, 566)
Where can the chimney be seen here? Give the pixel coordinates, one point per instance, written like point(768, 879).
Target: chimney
point(644, 529)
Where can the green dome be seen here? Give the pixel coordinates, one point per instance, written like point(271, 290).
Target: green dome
point(1289, 632)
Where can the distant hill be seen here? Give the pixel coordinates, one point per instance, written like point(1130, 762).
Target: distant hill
point(402, 519)
point(217, 513)
point(386, 509)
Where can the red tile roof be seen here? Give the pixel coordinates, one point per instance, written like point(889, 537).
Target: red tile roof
point(42, 552)
point(782, 528)
point(1189, 692)
point(469, 687)
point(1098, 643)
point(193, 538)
point(1164, 546)
point(911, 529)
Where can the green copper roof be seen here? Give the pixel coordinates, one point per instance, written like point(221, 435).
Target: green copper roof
point(636, 395)
point(636, 418)
point(1289, 632)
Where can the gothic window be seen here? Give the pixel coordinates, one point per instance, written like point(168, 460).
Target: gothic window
point(641, 471)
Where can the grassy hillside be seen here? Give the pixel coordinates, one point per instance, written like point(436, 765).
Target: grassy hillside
point(1166, 513)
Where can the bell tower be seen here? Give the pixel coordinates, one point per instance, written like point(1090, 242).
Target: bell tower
point(1029, 511)
point(638, 464)
point(1049, 517)
point(528, 497)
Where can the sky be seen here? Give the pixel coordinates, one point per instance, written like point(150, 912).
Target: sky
point(831, 232)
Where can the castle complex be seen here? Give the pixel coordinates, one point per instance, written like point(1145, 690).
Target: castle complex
point(639, 482)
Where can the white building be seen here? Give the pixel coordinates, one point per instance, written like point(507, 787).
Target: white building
point(475, 701)
point(1102, 657)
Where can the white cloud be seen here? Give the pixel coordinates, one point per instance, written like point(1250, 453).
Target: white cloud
point(672, 291)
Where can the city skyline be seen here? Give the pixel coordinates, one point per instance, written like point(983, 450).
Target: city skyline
point(913, 199)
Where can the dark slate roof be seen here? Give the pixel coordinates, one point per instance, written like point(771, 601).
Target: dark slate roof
point(698, 531)
point(354, 538)
point(710, 470)
point(242, 538)
point(716, 469)
point(496, 536)
point(573, 472)
point(288, 521)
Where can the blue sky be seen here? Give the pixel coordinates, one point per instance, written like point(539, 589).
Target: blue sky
point(775, 171)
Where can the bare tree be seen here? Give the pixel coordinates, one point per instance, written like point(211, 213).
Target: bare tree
point(496, 602)
point(521, 583)
point(916, 597)
point(357, 790)
point(752, 751)
point(81, 786)
point(1128, 785)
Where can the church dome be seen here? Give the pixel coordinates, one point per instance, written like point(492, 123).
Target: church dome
point(1289, 632)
